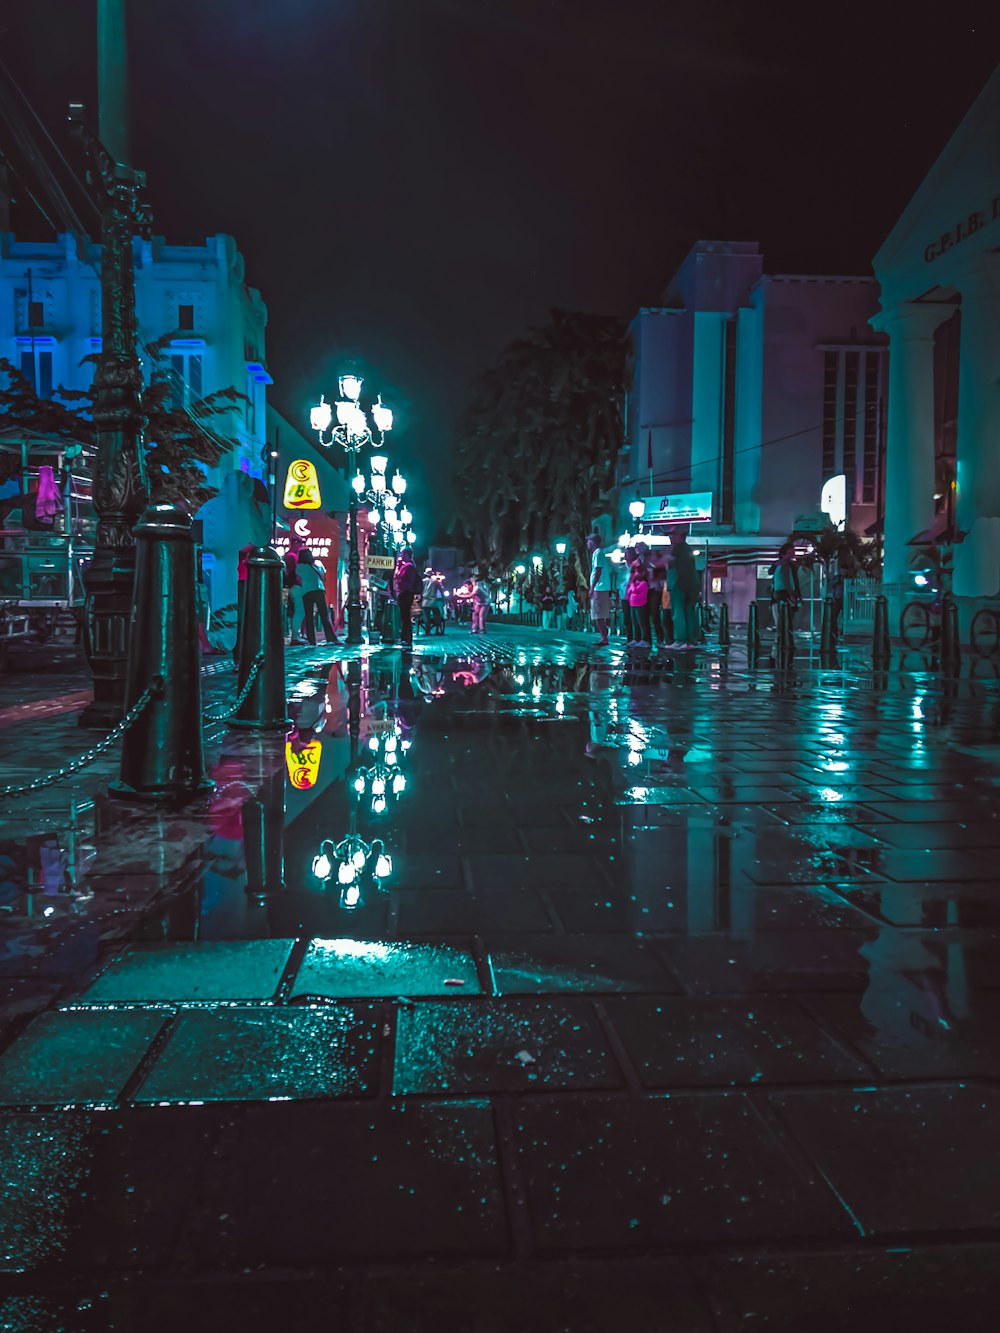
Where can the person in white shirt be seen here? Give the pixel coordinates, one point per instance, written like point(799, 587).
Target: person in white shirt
point(312, 576)
point(600, 588)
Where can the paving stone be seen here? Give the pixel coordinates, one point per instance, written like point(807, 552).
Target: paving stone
point(662, 1171)
point(776, 961)
point(680, 1042)
point(937, 906)
point(351, 1181)
point(905, 1160)
point(925, 837)
point(445, 912)
point(501, 1046)
point(952, 867)
point(515, 872)
point(259, 1054)
point(913, 1033)
point(595, 1296)
point(932, 812)
point(349, 969)
point(247, 1302)
point(583, 963)
point(921, 1288)
point(89, 1190)
point(427, 871)
point(215, 970)
point(76, 1056)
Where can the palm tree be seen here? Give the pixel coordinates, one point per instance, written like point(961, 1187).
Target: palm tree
point(537, 443)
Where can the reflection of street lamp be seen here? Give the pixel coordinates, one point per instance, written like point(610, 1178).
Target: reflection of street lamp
point(351, 861)
point(352, 432)
point(520, 571)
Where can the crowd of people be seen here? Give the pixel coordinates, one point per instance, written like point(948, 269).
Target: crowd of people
point(658, 591)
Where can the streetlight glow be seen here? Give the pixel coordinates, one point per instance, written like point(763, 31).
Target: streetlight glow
point(399, 483)
point(350, 387)
point(560, 548)
point(321, 416)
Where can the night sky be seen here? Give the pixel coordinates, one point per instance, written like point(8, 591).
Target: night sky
point(413, 182)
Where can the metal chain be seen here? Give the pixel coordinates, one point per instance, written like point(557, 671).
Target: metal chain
point(152, 691)
point(221, 714)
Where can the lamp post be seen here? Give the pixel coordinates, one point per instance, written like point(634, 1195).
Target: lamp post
point(352, 432)
point(119, 484)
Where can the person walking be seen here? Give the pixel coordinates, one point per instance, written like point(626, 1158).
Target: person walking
point(548, 605)
point(312, 581)
point(684, 586)
point(785, 585)
point(600, 588)
point(480, 605)
point(293, 591)
point(433, 598)
point(407, 585)
point(571, 609)
point(637, 595)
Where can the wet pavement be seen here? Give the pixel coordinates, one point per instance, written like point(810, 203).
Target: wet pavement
point(677, 1007)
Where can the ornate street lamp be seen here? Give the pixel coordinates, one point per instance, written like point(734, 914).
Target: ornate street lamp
point(637, 508)
point(352, 432)
point(120, 490)
point(352, 861)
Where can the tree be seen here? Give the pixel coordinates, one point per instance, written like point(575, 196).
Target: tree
point(179, 444)
point(537, 444)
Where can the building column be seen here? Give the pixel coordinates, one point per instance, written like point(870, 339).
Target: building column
point(979, 395)
point(909, 453)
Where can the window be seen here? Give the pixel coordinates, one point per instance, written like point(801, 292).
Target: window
point(36, 315)
point(831, 367)
point(869, 449)
point(36, 367)
point(184, 370)
point(726, 508)
point(185, 317)
point(851, 363)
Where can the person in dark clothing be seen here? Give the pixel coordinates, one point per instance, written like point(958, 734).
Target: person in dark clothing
point(312, 580)
point(407, 586)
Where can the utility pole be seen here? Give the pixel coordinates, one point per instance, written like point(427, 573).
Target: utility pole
point(119, 483)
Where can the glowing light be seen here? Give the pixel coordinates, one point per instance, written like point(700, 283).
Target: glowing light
point(321, 416)
point(520, 569)
point(829, 794)
point(346, 872)
point(635, 757)
point(383, 866)
point(391, 757)
point(833, 500)
point(358, 482)
point(625, 540)
point(378, 483)
point(350, 387)
point(379, 464)
point(405, 516)
point(378, 786)
point(399, 483)
point(373, 744)
point(374, 517)
point(301, 485)
point(358, 858)
point(921, 580)
point(351, 896)
point(390, 743)
point(411, 536)
point(398, 784)
point(322, 865)
point(560, 548)
point(406, 744)
point(382, 415)
point(637, 508)
point(359, 783)
point(536, 560)
point(378, 805)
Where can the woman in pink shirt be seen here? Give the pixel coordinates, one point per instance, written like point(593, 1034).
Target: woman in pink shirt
point(637, 596)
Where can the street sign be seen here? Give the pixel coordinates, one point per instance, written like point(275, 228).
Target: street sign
point(814, 522)
point(302, 485)
point(694, 508)
point(381, 562)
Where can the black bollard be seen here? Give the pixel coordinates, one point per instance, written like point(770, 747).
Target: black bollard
point(753, 636)
point(263, 707)
point(392, 624)
point(724, 625)
point(162, 757)
point(828, 629)
point(951, 648)
point(881, 647)
point(786, 639)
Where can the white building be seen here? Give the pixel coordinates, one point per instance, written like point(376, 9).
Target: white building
point(194, 295)
point(939, 273)
point(748, 392)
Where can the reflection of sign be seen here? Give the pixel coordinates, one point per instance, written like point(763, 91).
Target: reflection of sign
point(833, 500)
point(696, 508)
point(381, 562)
point(302, 762)
point(301, 485)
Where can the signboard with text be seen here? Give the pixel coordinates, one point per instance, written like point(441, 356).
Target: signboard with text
point(381, 562)
point(693, 508)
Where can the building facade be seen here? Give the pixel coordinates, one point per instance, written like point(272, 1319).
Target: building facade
point(748, 393)
point(195, 297)
point(939, 277)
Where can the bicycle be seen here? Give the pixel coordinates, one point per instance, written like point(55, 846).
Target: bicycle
point(920, 622)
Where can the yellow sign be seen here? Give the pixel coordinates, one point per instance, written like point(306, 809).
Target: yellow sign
point(302, 485)
point(303, 763)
